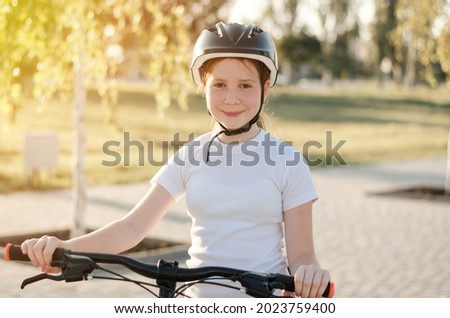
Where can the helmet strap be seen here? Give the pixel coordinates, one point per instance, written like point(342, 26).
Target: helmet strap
point(238, 131)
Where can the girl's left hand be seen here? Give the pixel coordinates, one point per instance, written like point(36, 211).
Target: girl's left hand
point(310, 281)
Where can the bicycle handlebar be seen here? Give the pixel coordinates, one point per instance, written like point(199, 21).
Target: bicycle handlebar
point(77, 266)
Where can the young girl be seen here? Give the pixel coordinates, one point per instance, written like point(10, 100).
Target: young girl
point(249, 195)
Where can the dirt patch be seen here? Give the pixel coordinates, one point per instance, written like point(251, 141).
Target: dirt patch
point(148, 244)
point(418, 192)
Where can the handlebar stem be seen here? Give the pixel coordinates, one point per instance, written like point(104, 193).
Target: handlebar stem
point(166, 277)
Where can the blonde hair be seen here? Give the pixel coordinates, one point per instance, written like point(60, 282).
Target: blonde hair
point(261, 68)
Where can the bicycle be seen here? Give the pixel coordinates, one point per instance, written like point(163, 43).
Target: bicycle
point(79, 266)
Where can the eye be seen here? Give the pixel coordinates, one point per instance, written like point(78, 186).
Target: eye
point(219, 84)
point(245, 85)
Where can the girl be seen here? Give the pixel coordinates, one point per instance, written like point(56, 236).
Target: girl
point(249, 195)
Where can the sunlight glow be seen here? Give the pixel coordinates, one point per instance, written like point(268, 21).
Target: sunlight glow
point(246, 11)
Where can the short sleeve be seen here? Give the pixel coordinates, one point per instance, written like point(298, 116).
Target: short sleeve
point(298, 186)
point(170, 176)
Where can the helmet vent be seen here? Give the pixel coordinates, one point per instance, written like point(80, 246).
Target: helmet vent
point(216, 30)
point(235, 32)
point(255, 30)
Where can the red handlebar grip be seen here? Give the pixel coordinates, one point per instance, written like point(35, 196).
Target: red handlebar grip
point(7, 248)
point(331, 291)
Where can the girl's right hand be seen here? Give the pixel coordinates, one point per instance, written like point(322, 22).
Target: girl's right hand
point(40, 251)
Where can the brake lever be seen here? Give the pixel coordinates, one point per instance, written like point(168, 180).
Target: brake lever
point(73, 268)
point(39, 277)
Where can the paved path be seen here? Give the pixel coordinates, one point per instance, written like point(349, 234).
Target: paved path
point(374, 246)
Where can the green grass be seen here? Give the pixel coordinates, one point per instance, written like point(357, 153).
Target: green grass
point(376, 125)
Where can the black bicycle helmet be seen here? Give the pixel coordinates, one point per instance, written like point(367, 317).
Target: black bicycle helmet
point(234, 40)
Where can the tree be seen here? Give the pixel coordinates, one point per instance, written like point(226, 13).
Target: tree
point(339, 22)
point(340, 60)
point(68, 47)
point(413, 38)
point(301, 48)
point(284, 15)
point(200, 14)
point(22, 39)
point(385, 22)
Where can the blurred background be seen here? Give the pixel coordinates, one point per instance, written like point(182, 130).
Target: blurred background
point(99, 93)
point(78, 74)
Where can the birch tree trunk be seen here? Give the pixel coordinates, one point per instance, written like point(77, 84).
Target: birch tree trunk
point(79, 139)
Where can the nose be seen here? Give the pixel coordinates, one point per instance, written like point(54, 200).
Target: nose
point(231, 98)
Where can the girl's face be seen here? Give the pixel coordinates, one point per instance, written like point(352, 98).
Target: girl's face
point(233, 92)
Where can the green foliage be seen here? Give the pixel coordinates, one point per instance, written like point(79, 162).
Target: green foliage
point(341, 60)
point(300, 48)
point(23, 29)
point(414, 32)
point(42, 40)
point(384, 23)
point(168, 42)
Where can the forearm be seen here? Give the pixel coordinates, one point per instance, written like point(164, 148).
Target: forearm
point(127, 232)
point(115, 237)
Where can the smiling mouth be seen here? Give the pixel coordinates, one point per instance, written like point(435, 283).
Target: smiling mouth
point(232, 114)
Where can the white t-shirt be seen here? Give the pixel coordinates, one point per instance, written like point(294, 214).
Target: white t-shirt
point(236, 201)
